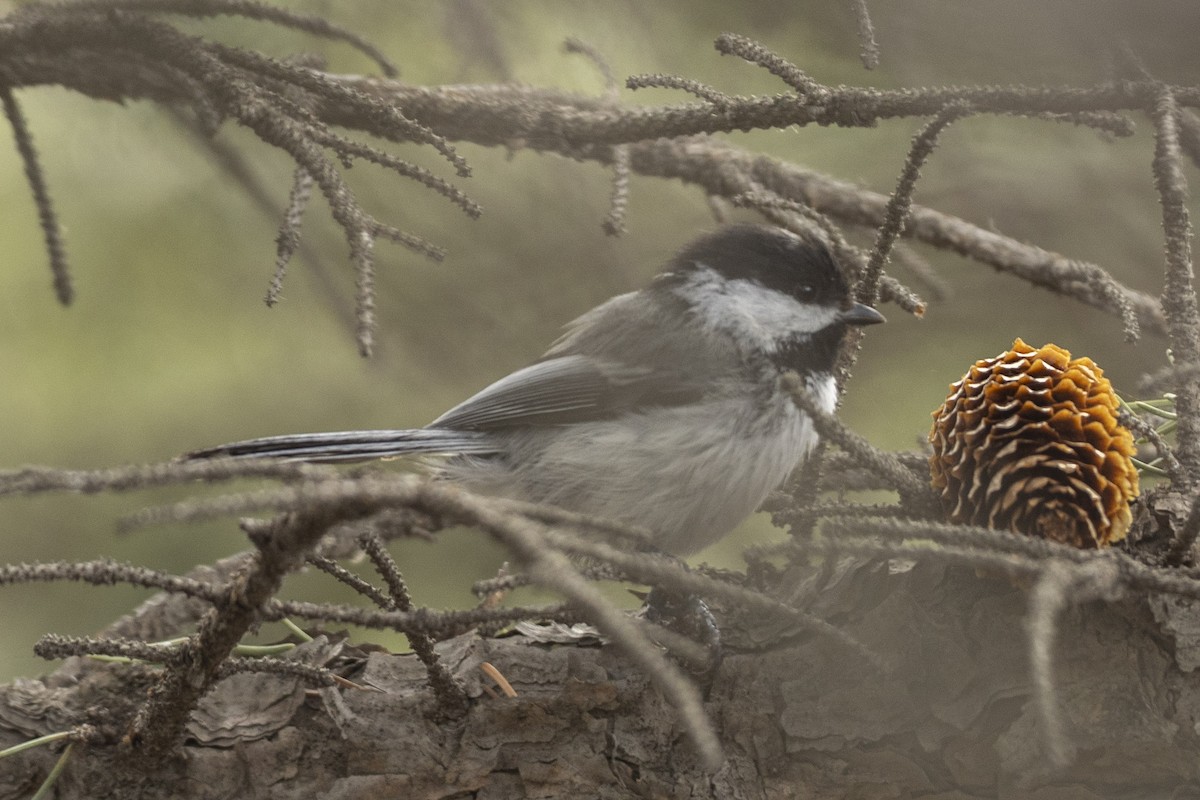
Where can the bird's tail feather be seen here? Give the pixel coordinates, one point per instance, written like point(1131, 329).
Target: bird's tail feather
point(352, 445)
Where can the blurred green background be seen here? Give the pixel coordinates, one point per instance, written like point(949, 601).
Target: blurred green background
point(169, 346)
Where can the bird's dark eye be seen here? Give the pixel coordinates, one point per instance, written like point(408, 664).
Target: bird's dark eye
point(805, 292)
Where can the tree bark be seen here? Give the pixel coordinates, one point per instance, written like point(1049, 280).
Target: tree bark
point(952, 713)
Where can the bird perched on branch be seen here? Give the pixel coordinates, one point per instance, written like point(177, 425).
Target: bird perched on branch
point(660, 408)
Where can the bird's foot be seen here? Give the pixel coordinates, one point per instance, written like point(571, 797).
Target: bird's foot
point(688, 615)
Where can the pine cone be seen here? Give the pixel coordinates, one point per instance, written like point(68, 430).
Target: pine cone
point(1029, 442)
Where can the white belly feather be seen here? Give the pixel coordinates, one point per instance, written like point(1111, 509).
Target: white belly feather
point(731, 457)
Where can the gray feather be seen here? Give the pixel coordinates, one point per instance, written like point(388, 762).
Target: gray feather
point(353, 445)
point(613, 360)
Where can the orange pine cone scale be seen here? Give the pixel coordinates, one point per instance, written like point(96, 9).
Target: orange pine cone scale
point(1029, 442)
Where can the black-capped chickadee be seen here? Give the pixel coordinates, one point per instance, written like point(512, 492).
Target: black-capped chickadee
point(660, 408)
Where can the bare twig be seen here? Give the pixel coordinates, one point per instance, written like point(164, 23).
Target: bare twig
point(976, 547)
point(557, 120)
point(1046, 603)
point(614, 221)
point(278, 666)
point(237, 166)
point(368, 494)
point(1179, 294)
point(693, 87)
point(895, 216)
point(580, 47)
point(362, 253)
point(786, 71)
point(355, 582)
point(1142, 428)
point(1132, 65)
point(869, 49)
point(1001, 561)
point(52, 646)
point(330, 500)
point(587, 127)
point(288, 238)
point(51, 230)
point(434, 622)
point(273, 98)
point(1108, 122)
point(956, 538)
point(553, 570)
point(1185, 538)
point(159, 722)
point(1057, 587)
point(438, 623)
point(900, 203)
point(452, 698)
point(106, 573)
point(33, 480)
point(666, 572)
point(250, 9)
point(884, 464)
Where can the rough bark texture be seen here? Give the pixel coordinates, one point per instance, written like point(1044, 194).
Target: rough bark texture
point(952, 717)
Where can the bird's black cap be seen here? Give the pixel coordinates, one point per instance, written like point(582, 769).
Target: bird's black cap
point(769, 256)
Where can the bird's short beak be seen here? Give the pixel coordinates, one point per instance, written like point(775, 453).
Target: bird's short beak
point(858, 314)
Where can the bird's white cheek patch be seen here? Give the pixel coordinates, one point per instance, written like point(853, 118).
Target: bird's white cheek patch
point(750, 310)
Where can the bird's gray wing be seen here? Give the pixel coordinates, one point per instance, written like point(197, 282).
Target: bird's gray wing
point(636, 351)
point(565, 389)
